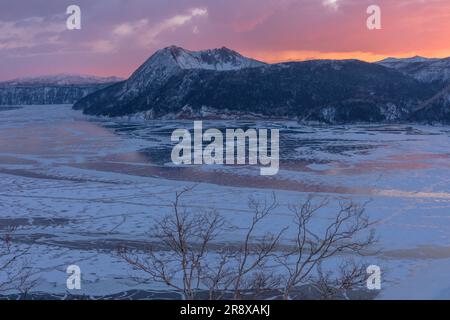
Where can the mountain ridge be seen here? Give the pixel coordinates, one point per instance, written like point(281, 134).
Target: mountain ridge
point(428, 70)
point(51, 89)
point(61, 79)
point(177, 83)
point(172, 83)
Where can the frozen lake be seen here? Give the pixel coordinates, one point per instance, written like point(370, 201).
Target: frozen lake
point(78, 186)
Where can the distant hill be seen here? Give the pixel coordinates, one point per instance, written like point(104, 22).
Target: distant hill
point(423, 69)
point(52, 89)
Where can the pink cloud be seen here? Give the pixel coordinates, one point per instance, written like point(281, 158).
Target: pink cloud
point(119, 35)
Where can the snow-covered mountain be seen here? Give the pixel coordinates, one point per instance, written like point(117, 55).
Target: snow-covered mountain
point(222, 59)
point(51, 89)
point(423, 69)
point(162, 66)
point(168, 61)
point(394, 62)
point(177, 83)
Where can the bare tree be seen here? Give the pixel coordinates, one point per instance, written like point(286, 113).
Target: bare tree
point(190, 260)
point(15, 271)
point(333, 284)
point(348, 233)
point(243, 267)
point(184, 240)
point(188, 249)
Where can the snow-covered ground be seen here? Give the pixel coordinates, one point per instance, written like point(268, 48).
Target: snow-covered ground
point(79, 186)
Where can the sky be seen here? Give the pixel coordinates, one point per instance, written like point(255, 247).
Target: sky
point(116, 36)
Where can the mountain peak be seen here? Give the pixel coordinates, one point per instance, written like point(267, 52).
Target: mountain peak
point(218, 59)
point(169, 61)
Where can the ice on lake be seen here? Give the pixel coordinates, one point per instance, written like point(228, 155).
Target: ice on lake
point(78, 186)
